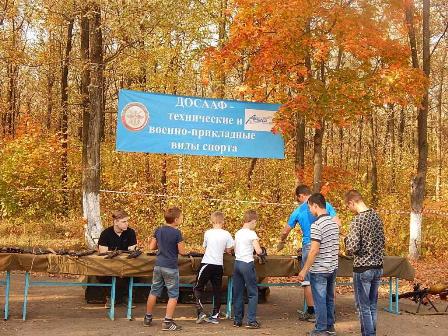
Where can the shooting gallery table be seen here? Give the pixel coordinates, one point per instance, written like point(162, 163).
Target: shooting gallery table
point(395, 268)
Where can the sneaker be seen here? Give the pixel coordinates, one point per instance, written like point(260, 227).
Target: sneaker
point(201, 317)
point(307, 317)
point(212, 319)
point(253, 325)
point(147, 320)
point(331, 331)
point(170, 326)
point(317, 333)
point(237, 324)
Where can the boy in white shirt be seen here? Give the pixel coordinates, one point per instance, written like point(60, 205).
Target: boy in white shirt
point(216, 242)
point(244, 276)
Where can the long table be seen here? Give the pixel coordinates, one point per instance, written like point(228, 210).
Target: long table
point(395, 268)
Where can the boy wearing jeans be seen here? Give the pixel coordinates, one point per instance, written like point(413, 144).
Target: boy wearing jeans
point(216, 242)
point(366, 242)
point(322, 262)
point(246, 241)
point(169, 243)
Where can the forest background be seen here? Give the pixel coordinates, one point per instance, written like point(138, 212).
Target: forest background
point(352, 75)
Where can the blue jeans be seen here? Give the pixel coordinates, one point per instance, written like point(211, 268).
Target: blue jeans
point(168, 277)
point(305, 251)
point(244, 275)
point(366, 297)
point(322, 287)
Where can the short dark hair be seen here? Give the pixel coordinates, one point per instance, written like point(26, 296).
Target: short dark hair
point(249, 216)
point(353, 195)
point(119, 214)
point(318, 199)
point(171, 214)
point(303, 189)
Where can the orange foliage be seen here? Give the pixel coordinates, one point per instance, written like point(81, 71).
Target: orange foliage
point(358, 61)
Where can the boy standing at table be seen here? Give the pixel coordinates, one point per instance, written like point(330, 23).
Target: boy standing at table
point(244, 275)
point(216, 242)
point(168, 241)
point(322, 264)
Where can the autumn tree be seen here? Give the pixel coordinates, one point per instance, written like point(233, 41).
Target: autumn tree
point(329, 62)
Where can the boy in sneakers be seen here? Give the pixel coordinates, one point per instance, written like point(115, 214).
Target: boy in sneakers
point(304, 218)
point(244, 276)
point(216, 242)
point(322, 263)
point(168, 241)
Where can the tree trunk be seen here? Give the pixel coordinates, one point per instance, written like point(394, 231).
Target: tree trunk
point(392, 151)
point(64, 115)
point(341, 146)
point(253, 162)
point(359, 149)
point(91, 198)
point(222, 35)
point(418, 182)
point(300, 148)
point(401, 128)
point(50, 84)
point(85, 81)
point(439, 129)
point(374, 173)
point(318, 140)
point(9, 126)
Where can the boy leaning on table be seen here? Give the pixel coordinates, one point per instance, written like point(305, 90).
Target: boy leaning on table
point(169, 243)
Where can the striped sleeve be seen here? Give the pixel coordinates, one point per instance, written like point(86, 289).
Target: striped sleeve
point(316, 232)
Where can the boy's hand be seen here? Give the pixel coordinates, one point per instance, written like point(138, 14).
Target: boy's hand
point(302, 275)
point(280, 245)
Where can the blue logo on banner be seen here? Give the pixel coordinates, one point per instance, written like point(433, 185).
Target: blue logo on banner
point(158, 123)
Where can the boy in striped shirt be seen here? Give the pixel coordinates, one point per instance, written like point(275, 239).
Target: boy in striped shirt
point(322, 263)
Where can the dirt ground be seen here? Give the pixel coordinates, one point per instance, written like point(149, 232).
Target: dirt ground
point(63, 311)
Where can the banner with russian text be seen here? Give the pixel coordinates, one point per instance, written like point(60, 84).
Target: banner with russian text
point(159, 123)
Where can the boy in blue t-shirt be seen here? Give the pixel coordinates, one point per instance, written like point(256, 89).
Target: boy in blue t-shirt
point(303, 216)
point(168, 241)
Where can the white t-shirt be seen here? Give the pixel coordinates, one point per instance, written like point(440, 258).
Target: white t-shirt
point(215, 243)
point(244, 248)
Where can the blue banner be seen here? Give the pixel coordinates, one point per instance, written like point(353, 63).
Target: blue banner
point(159, 123)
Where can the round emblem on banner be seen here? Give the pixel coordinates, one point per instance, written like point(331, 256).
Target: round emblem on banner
point(134, 116)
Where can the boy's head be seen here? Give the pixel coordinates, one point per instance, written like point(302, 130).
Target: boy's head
point(217, 219)
point(316, 203)
point(250, 219)
point(120, 220)
point(353, 198)
point(302, 193)
point(173, 216)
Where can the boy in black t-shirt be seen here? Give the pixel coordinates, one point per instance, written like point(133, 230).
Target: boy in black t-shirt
point(119, 236)
point(168, 241)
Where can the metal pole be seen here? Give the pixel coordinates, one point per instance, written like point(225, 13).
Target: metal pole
point(25, 295)
point(397, 310)
point(229, 297)
point(112, 299)
point(131, 285)
point(390, 295)
point(8, 279)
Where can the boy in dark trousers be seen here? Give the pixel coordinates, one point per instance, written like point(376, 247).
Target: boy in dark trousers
point(216, 242)
point(244, 275)
point(169, 243)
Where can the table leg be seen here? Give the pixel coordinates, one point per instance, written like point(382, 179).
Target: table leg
point(8, 280)
point(112, 299)
point(390, 295)
point(397, 309)
point(229, 297)
point(131, 285)
point(25, 295)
